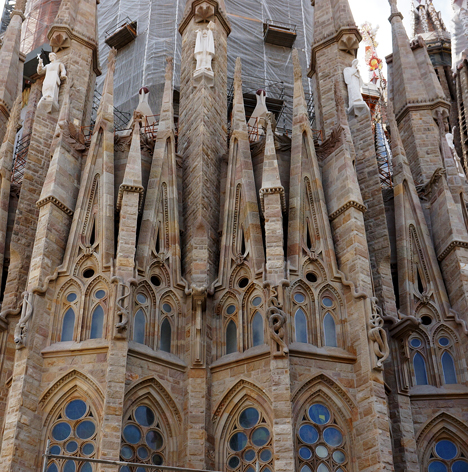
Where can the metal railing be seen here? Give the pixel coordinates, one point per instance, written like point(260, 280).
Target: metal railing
point(20, 158)
point(48, 456)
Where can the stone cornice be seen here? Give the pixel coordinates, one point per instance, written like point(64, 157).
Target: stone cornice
point(55, 201)
point(19, 13)
point(351, 204)
point(451, 247)
point(220, 14)
point(131, 189)
point(322, 43)
point(270, 191)
point(395, 15)
point(421, 105)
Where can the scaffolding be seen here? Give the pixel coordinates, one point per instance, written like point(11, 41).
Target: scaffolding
point(6, 15)
point(20, 158)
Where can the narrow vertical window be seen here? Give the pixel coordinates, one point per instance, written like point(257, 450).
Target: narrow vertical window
point(300, 324)
point(231, 337)
point(139, 327)
point(166, 334)
point(97, 323)
point(257, 330)
point(420, 369)
point(448, 366)
point(68, 326)
point(329, 330)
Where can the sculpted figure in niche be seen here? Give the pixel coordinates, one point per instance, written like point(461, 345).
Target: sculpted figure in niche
point(205, 48)
point(354, 82)
point(54, 73)
point(456, 158)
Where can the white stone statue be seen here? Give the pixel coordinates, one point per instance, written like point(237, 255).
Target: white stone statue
point(456, 158)
point(459, 38)
point(354, 82)
point(205, 48)
point(54, 73)
point(257, 119)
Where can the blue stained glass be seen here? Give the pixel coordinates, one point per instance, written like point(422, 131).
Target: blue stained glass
point(323, 468)
point(144, 416)
point(328, 302)
point(55, 450)
point(233, 462)
point(87, 467)
point(143, 453)
point(238, 441)
point(231, 338)
point(76, 409)
point(332, 436)
point(72, 446)
point(329, 330)
point(420, 369)
point(265, 455)
point(437, 466)
point(321, 452)
point(256, 301)
point(415, 342)
point(167, 308)
point(139, 327)
point(85, 429)
point(300, 324)
point(126, 452)
point(460, 466)
point(68, 326)
point(141, 298)
point(97, 323)
point(131, 434)
point(260, 436)
point(88, 449)
point(249, 418)
point(450, 376)
point(140, 469)
point(154, 440)
point(157, 459)
point(266, 469)
point(231, 309)
point(100, 294)
point(250, 469)
point(339, 457)
point(446, 449)
point(306, 468)
point(69, 466)
point(125, 469)
point(444, 341)
point(71, 297)
point(308, 434)
point(52, 468)
point(249, 455)
point(319, 414)
point(61, 431)
point(166, 335)
point(299, 298)
point(305, 453)
point(257, 330)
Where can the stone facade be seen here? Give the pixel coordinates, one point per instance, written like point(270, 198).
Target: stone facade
point(185, 296)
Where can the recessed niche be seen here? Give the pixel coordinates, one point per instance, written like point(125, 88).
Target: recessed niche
point(243, 282)
point(311, 277)
point(155, 280)
point(88, 273)
point(426, 320)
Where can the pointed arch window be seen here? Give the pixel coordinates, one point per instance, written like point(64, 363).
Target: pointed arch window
point(300, 326)
point(97, 323)
point(166, 336)
point(331, 334)
point(231, 337)
point(329, 330)
point(65, 330)
point(321, 444)
point(68, 326)
point(447, 455)
point(448, 367)
point(74, 432)
point(143, 440)
point(420, 371)
point(139, 327)
point(250, 442)
point(447, 355)
point(258, 332)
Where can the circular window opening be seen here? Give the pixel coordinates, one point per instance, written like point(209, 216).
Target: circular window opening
point(444, 341)
point(231, 309)
point(155, 280)
point(71, 297)
point(141, 298)
point(256, 301)
point(88, 273)
point(167, 308)
point(426, 320)
point(243, 282)
point(311, 277)
point(415, 343)
point(100, 294)
point(328, 302)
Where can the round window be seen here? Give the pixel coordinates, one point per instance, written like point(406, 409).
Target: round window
point(328, 302)
point(71, 297)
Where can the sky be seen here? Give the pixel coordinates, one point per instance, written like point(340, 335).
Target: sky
point(377, 12)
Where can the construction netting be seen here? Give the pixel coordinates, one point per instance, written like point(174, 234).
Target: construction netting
point(265, 66)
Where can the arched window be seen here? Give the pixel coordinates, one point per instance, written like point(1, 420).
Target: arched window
point(166, 335)
point(142, 438)
point(250, 442)
point(447, 456)
point(329, 330)
point(321, 445)
point(73, 433)
point(448, 367)
point(231, 337)
point(300, 326)
point(258, 334)
point(97, 322)
point(420, 371)
point(139, 327)
point(68, 325)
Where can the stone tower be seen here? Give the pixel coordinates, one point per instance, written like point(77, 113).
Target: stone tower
point(208, 294)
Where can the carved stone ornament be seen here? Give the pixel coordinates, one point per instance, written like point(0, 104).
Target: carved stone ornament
point(59, 41)
point(348, 43)
point(21, 329)
point(378, 336)
point(276, 322)
point(204, 13)
point(122, 314)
